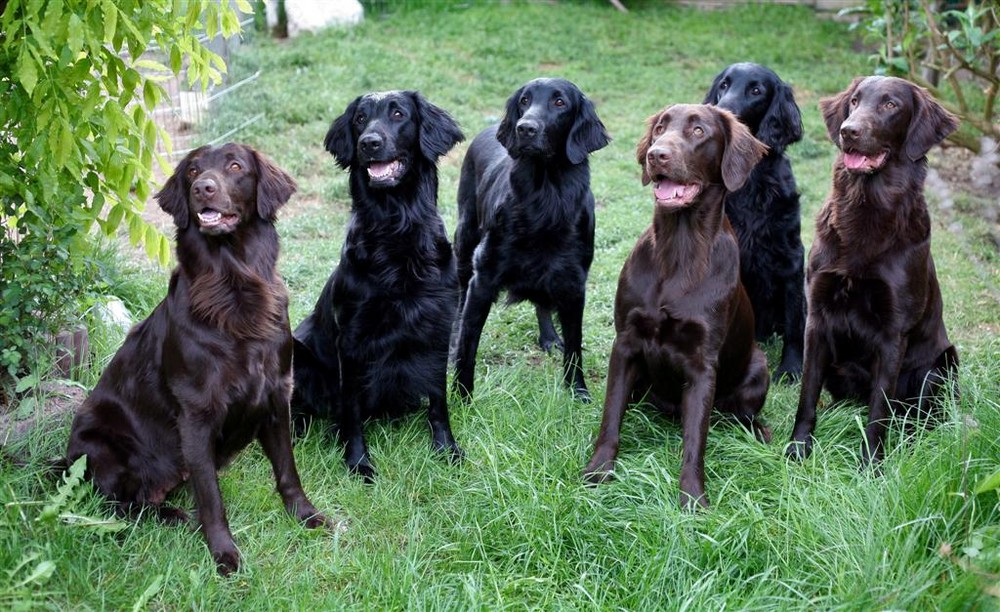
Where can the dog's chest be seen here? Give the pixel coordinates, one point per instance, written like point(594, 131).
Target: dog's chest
point(851, 305)
point(668, 343)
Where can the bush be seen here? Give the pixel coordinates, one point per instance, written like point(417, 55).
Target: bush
point(953, 53)
point(77, 141)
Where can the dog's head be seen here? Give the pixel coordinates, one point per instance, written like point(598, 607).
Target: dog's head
point(222, 188)
point(761, 100)
point(549, 119)
point(881, 118)
point(387, 134)
point(688, 147)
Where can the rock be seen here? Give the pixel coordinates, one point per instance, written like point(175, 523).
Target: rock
point(315, 15)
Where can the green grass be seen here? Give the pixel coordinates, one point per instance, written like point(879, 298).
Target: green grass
point(513, 526)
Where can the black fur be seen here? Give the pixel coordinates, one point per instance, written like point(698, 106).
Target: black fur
point(526, 220)
point(765, 213)
point(376, 343)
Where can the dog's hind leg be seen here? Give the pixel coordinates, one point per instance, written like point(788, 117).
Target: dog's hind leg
point(748, 398)
point(442, 439)
point(547, 336)
point(571, 318)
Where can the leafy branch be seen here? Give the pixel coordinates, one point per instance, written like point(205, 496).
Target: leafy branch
point(78, 140)
point(955, 54)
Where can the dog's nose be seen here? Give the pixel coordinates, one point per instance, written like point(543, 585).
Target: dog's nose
point(370, 142)
point(205, 189)
point(657, 155)
point(850, 131)
point(527, 129)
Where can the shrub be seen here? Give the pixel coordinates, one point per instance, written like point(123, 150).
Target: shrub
point(953, 53)
point(77, 141)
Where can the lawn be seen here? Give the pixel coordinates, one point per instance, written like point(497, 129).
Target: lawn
point(513, 526)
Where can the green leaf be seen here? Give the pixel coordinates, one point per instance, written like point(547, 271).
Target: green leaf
point(211, 20)
point(66, 141)
point(151, 241)
point(27, 72)
point(150, 95)
point(244, 7)
point(136, 228)
point(990, 483)
point(75, 35)
point(114, 217)
point(65, 492)
point(175, 59)
point(164, 251)
point(110, 12)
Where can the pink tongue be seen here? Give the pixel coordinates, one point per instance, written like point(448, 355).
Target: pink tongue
point(854, 161)
point(665, 190)
point(379, 169)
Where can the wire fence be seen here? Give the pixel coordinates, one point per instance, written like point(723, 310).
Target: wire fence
point(187, 107)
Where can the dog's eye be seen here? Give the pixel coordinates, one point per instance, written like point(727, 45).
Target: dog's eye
point(723, 85)
point(890, 105)
point(235, 166)
point(397, 114)
point(360, 118)
point(657, 129)
point(698, 131)
point(523, 101)
point(192, 171)
point(854, 101)
point(755, 91)
point(560, 102)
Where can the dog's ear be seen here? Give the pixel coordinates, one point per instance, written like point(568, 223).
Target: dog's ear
point(782, 123)
point(587, 134)
point(511, 115)
point(836, 108)
point(742, 152)
point(173, 198)
point(438, 130)
point(339, 139)
point(929, 125)
point(712, 97)
point(645, 142)
point(274, 187)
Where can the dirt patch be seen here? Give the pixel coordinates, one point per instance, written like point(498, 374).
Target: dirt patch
point(55, 402)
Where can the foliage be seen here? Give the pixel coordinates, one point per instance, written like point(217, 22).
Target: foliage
point(77, 140)
point(953, 53)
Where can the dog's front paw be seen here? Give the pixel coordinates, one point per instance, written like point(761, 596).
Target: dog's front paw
point(227, 560)
point(787, 375)
point(337, 524)
point(364, 469)
point(799, 450)
point(548, 342)
point(692, 501)
point(582, 394)
point(451, 450)
point(599, 470)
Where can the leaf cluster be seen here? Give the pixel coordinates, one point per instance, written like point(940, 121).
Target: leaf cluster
point(953, 53)
point(78, 140)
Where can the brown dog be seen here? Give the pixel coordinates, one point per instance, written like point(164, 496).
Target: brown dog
point(211, 368)
point(684, 325)
point(874, 331)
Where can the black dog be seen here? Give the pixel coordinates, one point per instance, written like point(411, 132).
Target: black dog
point(526, 221)
point(765, 211)
point(377, 341)
point(875, 331)
point(210, 369)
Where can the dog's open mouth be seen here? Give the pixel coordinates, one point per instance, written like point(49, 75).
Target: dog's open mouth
point(385, 174)
point(212, 221)
point(674, 195)
point(859, 162)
